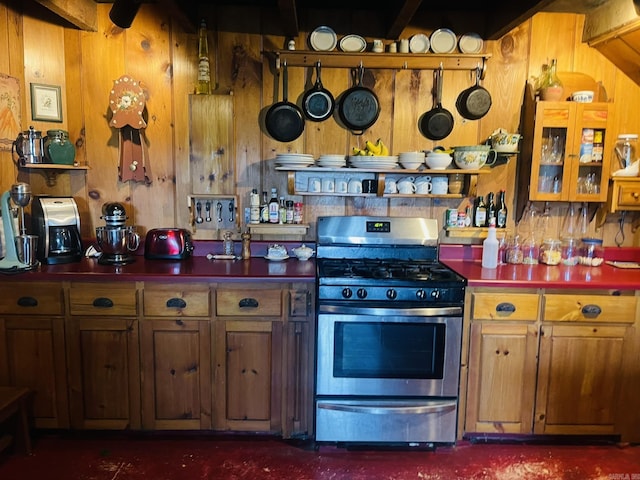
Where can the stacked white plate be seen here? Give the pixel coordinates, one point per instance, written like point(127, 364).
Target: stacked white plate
point(470, 43)
point(443, 40)
point(373, 162)
point(294, 160)
point(331, 161)
point(323, 39)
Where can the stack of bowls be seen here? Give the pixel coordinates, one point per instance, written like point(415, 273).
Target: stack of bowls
point(411, 160)
point(438, 160)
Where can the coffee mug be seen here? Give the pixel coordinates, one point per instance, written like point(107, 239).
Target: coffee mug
point(440, 184)
point(423, 187)
point(369, 186)
point(406, 187)
point(342, 186)
point(315, 185)
point(390, 186)
point(423, 179)
point(404, 45)
point(328, 185)
point(407, 179)
point(378, 46)
point(355, 186)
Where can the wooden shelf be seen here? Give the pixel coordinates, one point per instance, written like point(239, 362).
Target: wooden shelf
point(278, 229)
point(396, 61)
point(54, 166)
point(400, 171)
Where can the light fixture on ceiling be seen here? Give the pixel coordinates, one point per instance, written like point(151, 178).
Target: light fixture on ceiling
point(123, 12)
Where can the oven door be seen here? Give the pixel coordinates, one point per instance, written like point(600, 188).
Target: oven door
point(388, 352)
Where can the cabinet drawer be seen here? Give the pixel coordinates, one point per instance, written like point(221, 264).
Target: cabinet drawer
point(586, 308)
point(504, 306)
point(249, 303)
point(32, 299)
point(189, 301)
point(103, 299)
point(629, 196)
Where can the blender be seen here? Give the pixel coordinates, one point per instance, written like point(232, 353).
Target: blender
point(20, 249)
point(116, 240)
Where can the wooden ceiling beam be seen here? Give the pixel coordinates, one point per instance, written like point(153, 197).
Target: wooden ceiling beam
point(403, 16)
point(499, 23)
point(81, 13)
point(177, 13)
point(289, 16)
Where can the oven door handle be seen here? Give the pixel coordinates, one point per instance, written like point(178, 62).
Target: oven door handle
point(414, 311)
point(382, 409)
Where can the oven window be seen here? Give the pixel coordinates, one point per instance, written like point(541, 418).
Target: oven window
point(389, 350)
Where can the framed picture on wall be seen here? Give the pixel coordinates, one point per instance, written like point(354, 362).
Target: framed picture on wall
point(46, 102)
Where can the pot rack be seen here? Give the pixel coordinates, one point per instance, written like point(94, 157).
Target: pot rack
point(395, 61)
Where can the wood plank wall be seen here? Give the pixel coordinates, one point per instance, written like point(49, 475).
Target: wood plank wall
point(162, 57)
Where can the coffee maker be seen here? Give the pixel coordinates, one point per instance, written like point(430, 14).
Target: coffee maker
point(57, 222)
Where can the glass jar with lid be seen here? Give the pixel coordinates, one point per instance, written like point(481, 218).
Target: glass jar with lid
point(550, 252)
point(626, 148)
point(514, 251)
point(592, 252)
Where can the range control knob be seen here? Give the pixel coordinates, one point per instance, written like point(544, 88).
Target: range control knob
point(362, 293)
point(421, 294)
point(346, 293)
point(435, 294)
point(392, 294)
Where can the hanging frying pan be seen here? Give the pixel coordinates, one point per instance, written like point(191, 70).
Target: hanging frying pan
point(317, 102)
point(359, 107)
point(474, 102)
point(284, 120)
point(437, 123)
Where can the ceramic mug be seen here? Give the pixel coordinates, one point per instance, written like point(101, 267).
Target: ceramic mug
point(406, 187)
point(423, 187)
point(423, 179)
point(328, 185)
point(342, 186)
point(378, 46)
point(440, 184)
point(315, 185)
point(390, 186)
point(355, 186)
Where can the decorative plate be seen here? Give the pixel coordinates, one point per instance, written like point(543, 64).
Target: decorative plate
point(276, 259)
point(353, 43)
point(323, 39)
point(470, 43)
point(419, 43)
point(443, 40)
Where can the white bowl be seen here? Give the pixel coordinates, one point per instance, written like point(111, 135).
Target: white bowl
point(411, 164)
point(438, 161)
point(303, 252)
point(582, 96)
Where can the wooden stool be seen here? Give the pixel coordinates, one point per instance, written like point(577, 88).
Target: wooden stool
point(13, 402)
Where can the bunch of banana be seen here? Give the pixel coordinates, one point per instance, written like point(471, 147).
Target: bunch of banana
point(372, 149)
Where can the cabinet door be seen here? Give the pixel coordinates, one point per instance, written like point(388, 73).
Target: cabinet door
point(571, 152)
point(104, 372)
point(33, 356)
point(580, 371)
point(502, 377)
point(248, 375)
point(176, 374)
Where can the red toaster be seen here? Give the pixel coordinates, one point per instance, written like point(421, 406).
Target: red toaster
point(168, 244)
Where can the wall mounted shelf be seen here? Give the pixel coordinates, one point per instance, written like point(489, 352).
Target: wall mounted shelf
point(51, 170)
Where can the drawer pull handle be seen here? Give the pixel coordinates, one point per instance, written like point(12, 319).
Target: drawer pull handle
point(176, 303)
point(103, 302)
point(591, 310)
point(248, 302)
point(505, 307)
point(27, 302)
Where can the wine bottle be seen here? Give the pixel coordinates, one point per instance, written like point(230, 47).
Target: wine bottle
point(480, 213)
point(501, 216)
point(203, 86)
point(491, 210)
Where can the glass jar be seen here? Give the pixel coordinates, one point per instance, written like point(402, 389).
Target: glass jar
point(592, 252)
point(530, 251)
point(550, 252)
point(626, 149)
point(570, 251)
point(227, 243)
point(514, 251)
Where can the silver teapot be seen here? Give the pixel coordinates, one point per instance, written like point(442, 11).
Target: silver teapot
point(29, 146)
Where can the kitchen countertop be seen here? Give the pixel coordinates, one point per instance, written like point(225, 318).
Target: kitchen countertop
point(466, 260)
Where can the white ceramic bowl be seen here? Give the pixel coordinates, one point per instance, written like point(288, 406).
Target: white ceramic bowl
point(582, 96)
point(411, 160)
point(438, 161)
point(472, 157)
point(505, 142)
point(303, 252)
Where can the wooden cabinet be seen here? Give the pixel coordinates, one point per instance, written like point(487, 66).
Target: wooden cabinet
point(32, 348)
point(582, 350)
point(175, 355)
point(624, 194)
point(548, 362)
point(103, 356)
point(566, 152)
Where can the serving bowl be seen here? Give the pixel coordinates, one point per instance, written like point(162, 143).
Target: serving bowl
point(438, 160)
point(582, 96)
point(411, 160)
point(502, 141)
point(473, 157)
point(303, 252)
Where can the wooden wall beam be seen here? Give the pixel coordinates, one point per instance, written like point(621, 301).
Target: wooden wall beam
point(81, 13)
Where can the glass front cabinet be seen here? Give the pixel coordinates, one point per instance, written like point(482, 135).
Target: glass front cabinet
point(566, 152)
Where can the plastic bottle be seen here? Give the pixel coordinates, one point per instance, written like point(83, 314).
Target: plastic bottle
point(490, 247)
point(203, 86)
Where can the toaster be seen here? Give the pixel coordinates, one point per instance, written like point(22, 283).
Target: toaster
point(168, 244)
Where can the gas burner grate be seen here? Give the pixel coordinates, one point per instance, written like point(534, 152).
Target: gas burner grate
point(384, 269)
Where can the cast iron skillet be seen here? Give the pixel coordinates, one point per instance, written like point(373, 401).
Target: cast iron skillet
point(317, 102)
point(437, 123)
point(474, 102)
point(284, 120)
point(359, 107)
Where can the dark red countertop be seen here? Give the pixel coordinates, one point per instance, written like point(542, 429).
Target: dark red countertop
point(466, 260)
point(194, 269)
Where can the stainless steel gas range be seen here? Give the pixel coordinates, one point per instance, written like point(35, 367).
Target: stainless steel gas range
point(389, 333)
